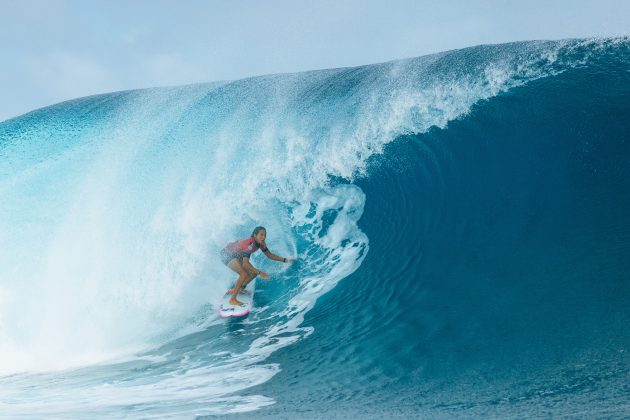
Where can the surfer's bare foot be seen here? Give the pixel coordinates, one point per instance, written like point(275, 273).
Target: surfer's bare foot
point(236, 302)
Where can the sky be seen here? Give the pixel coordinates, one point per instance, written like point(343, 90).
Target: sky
point(55, 50)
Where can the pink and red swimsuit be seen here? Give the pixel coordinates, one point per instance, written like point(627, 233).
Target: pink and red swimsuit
point(241, 249)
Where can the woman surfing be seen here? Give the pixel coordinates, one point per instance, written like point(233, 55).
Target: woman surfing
point(236, 256)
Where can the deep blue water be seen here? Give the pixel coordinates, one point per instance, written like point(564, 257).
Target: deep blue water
point(462, 223)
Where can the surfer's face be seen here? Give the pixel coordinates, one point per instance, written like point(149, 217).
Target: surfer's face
point(260, 236)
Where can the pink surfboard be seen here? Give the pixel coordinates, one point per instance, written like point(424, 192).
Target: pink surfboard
point(247, 297)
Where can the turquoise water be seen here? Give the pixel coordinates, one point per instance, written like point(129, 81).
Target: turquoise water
point(461, 222)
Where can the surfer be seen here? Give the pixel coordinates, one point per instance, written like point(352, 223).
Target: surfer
point(236, 256)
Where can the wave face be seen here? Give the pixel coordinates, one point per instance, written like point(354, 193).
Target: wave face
point(462, 224)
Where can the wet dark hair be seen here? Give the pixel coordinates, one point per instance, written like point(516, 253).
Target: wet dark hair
point(258, 229)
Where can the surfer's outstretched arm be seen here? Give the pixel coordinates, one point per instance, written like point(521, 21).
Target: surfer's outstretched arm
point(275, 257)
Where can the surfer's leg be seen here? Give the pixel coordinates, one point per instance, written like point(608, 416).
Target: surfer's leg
point(250, 276)
point(236, 265)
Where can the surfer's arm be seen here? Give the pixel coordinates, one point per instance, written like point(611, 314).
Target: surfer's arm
point(275, 257)
point(253, 270)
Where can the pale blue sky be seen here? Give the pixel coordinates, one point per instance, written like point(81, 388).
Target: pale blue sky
point(53, 50)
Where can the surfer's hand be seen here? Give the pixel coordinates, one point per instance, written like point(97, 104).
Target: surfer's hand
point(289, 260)
point(263, 275)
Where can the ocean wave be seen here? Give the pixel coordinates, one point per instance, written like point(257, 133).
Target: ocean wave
point(114, 209)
